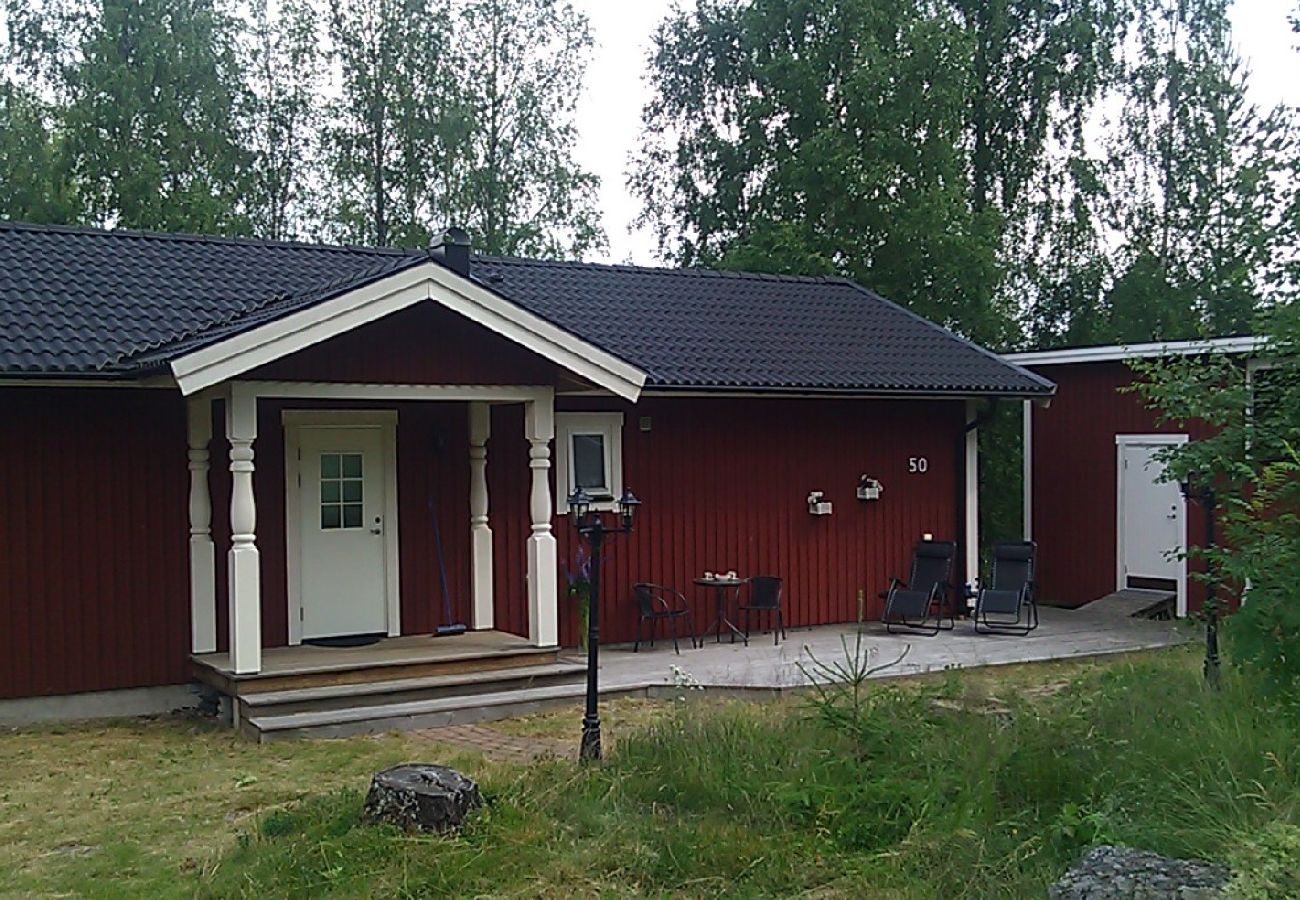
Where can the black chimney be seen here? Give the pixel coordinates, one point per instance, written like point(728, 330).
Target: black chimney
point(454, 247)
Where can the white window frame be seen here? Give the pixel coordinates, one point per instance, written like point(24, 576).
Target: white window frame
point(609, 425)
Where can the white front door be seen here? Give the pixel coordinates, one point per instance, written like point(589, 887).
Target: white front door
point(1150, 515)
point(343, 517)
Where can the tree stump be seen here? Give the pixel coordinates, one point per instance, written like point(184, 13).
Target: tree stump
point(421, 797)
point(1121, 873)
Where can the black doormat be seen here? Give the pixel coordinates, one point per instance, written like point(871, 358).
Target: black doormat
point(347, 640)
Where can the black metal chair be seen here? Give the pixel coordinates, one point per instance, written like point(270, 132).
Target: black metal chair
point(764, 597)
point(1007, 605)
point(661, 604)
point(913, 604)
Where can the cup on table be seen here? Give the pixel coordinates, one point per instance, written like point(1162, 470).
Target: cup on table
point(708, 576)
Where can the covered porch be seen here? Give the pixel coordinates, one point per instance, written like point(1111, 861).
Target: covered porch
point(336, 559)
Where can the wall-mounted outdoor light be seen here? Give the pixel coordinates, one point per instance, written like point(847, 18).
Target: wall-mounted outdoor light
point(869, 488)
point(817, 506)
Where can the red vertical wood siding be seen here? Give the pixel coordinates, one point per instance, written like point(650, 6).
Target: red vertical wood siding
point(94, 527)
point(1074, 481)
point(95, 497)
point(724, 484)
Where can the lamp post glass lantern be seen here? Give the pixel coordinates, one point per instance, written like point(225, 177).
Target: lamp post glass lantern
point(590, 524)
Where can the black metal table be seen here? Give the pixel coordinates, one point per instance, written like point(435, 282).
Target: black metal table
point(720, 619)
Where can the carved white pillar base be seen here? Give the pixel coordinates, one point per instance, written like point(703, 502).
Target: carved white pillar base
point(543, 599)
point(203, 594)
point(244, 571)
point(482, 615)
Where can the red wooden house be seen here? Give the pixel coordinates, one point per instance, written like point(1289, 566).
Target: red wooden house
point(1094, 501)
point(230, 447)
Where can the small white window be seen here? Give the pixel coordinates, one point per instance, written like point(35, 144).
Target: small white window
point(589, 451)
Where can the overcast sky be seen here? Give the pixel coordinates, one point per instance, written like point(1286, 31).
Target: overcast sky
point(609, 114)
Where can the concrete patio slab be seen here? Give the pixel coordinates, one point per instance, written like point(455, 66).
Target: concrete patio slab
point(1063, 634)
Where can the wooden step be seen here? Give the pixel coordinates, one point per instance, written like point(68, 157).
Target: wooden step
point(391, 690)
point(403, 716)
point(343, 671)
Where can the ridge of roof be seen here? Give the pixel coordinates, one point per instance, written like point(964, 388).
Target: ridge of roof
point(676, 271)
point(248, 241)
point(195, 238)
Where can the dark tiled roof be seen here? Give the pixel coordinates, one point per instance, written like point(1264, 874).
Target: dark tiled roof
point(81, 301)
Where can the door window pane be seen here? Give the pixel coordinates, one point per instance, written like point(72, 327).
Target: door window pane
point(329, 516)
point(340, 490)
point(589, 464)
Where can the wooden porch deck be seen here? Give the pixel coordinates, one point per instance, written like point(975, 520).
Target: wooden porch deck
point(408, 656)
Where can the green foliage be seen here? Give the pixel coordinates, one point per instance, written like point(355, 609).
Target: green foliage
point(34, 183)
point(372, 121)
point(939, 153)
point(153, 97)
point(1267, 864)
point(511, 177)
point(1250, 461)
point(386, 127)
point(900, 144)
point(954, 793)
point(1206, 176)
point(285, 70)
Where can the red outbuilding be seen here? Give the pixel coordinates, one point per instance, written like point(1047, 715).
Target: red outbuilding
point(218, 450)
point(1103, 519)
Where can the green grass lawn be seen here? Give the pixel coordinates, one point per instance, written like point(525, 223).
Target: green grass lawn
point(976, 784)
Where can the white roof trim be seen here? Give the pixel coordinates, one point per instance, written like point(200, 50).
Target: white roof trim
point(266, 343)
point(1119, 352)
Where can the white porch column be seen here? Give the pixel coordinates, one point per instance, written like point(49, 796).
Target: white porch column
point(244, 582)
point(543, 573)
point(972, 467)
point(480, 533)
point(203, 560)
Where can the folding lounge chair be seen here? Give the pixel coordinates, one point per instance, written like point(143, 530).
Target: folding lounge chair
point(920, 603)
point(1006, 605)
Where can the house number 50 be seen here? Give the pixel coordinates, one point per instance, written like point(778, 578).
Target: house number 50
point(917, 464)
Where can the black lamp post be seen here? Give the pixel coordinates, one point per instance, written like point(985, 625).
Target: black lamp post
point(1198, 489)
point(591, 525)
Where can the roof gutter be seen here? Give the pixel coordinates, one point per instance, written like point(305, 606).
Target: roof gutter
point(658, 390)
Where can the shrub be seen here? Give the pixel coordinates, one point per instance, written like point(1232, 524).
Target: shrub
point(1251, 464)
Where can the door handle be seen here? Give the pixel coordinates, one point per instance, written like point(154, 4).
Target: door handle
point(378, 526)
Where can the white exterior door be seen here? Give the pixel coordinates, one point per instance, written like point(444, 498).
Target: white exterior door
point(1150, 516)
point(343, 518)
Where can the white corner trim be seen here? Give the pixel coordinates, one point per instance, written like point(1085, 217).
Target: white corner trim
point(266, 343)
point(1027, 464)
point(1122, 441)
point(1121, 352)
point(971, 470)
